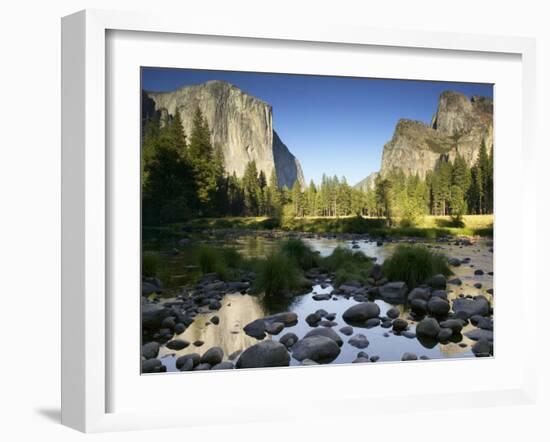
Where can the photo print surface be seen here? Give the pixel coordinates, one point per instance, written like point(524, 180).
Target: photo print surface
point(300, 220)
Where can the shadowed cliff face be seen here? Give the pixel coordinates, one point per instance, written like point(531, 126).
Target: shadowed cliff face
point(240, 123)
point(459, 127)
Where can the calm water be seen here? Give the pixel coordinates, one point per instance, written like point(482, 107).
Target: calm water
point(238, 310)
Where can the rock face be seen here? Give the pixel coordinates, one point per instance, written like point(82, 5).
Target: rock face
point(459, 127)
point(240, 124)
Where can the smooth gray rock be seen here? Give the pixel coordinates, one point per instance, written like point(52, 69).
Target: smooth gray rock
point(419, 293)
point(482, 348)
point(428, 327)
point(438, 282)
point(150, 350)
point(288, 339)
point(327, 332)
point(392, 313)
point(256, 329)
point(274, 328)
point(438, 307)
point(212, 356)
point(317, 348)
point(465, 307)
point(361, 312)
point(265, 354)
point(177, 344)
point(409, 357)
point(227, 365)
point(455, 325)
point(394, 292)
point(346, 330)
point(152, 366)
point(183, 361)
point(400, 325)
point(359, 341)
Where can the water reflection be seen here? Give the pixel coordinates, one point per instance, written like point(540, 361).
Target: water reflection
point(238, 310)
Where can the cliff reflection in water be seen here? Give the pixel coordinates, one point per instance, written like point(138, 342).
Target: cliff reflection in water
point(237, 311)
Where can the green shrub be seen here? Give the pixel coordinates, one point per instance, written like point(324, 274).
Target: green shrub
point(348, 265)
point(217, 260)
point(415, 265)
point(277, 275)
point(300, 252)
point(150, 264)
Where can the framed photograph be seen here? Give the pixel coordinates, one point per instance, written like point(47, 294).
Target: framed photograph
point(248, 211)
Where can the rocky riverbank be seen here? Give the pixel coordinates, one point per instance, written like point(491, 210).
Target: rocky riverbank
point(349, 318)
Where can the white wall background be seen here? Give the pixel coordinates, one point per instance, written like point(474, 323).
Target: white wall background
point(30, 214)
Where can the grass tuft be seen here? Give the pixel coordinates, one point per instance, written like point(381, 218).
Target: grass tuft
point(301, 253)
point(277, 275)
point(348, 265)
point(415, 265)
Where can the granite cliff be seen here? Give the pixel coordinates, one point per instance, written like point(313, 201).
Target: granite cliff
point(240, 123)
point(459, 127)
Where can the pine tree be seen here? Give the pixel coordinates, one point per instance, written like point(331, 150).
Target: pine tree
point(297, 199)
point(251, 189)
point(201, 159)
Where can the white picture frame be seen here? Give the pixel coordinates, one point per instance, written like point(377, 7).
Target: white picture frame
point(87, 206)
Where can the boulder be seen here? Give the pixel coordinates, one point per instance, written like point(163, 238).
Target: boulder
point(212, 356)
point(372, 322)
point(466, 307)
point(288, 339)
point(444, 334)
point(455, 262)
point(177, 344)
point(317, 348)
point(409, 357)
point(150, 350)
point(227, 365)
point(265, 354)
point(392, 313)
point(482, 348)
point(361, 312)
point(202, 367)
point(442, 294)
point(394, 292)
point(438, 282)
point(400, 325)
point(419, 306)
point(419, 293)
point(327, 332)
point(455, 325)
point(152, 316)
point(322, 297)
point(313, 319)
point(183, 361)
point(256, 329)
point(274, 328)
point(428, 328)
point(359, 341)
point(438, 306)
point(479, 334)
point(346, 330)
point(152, 366)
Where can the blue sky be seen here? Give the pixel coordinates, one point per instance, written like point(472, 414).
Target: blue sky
point(333, 125)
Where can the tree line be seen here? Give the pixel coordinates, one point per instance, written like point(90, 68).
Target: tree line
point(184, 177)
point(452, 189)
